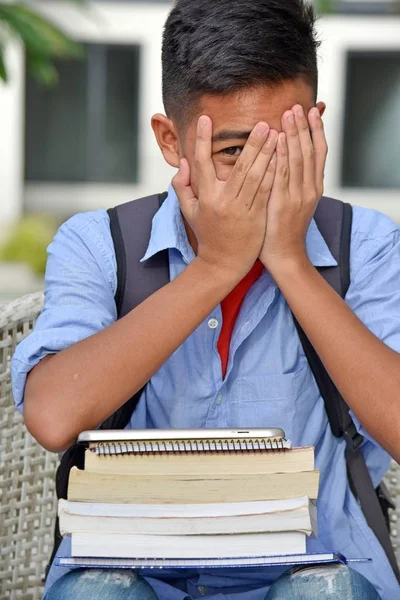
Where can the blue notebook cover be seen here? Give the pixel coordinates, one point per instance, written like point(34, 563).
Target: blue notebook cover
point(198, 564)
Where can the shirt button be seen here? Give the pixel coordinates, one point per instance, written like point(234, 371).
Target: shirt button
point(219, 399)
point(213, 323)
point(202, 589)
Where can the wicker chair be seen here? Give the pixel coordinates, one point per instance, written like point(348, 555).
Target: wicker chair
point(27, 494)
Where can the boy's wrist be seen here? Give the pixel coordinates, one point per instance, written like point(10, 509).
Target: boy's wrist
point(221, 275)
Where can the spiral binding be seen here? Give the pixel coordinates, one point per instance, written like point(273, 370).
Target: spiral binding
point(190, 446)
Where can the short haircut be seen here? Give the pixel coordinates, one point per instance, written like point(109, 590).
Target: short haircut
point(223, 46)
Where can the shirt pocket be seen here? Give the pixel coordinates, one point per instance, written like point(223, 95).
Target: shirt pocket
point(274, 400)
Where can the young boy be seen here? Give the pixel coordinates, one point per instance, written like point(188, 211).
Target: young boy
point(218, 344)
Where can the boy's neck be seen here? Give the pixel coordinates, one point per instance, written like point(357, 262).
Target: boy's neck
point(191, 236)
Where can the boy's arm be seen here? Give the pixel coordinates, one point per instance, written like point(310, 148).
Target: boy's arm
point(87, 381)
point(365, 369)
point(84, 384)
point(362, 357)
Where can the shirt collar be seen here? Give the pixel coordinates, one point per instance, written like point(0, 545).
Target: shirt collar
point(168, 232)
point(317, 249)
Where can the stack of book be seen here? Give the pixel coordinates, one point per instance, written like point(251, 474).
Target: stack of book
point(190, 500)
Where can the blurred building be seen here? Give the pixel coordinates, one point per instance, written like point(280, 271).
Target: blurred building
point(88, 143)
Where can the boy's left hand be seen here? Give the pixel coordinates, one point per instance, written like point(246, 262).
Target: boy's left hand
point(297, 189)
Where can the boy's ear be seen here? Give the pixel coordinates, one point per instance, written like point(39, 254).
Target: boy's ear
point(167, 138)
point(321, 107)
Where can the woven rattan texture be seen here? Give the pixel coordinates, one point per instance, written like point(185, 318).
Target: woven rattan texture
point(27, 492)
point(27, 496)
point(393, 483)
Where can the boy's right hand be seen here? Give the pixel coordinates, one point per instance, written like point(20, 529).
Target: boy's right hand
point(229, 217)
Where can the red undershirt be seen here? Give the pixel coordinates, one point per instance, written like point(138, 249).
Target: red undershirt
point(230, 311)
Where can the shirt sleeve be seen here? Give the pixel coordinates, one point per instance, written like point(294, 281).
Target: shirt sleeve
point(80, 285)
point(374, 293)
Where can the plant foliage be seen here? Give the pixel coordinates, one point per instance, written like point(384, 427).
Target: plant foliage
point(42, 40)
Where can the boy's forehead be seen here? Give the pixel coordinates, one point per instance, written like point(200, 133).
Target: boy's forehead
point(244, 109)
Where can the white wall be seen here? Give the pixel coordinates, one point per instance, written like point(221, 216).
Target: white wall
point(11, 137)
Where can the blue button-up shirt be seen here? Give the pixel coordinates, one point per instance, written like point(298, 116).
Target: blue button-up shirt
point(268, 381)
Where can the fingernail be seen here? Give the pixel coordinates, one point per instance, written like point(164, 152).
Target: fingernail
point(316, 113)
point(261, 128)
point(203, 122)
point(290, 118)
point(273, 159)
point(300, 111)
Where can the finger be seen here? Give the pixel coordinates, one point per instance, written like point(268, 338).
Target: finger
point(203, 163)
point(282, 164)
point(256, 141)
point(295, 155)
point(307, 148)
point(264, 191)
point(320, 148)
point(182, 186)
point(258, 170)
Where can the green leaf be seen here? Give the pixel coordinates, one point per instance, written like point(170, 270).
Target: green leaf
point(43, 70)
point(3, 71)
point(42, 40)
point(61, 44)
point(325, 6)
point(27, 242)
point(38, 35)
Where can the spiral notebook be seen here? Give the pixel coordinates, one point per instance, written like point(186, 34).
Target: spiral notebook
point(172, 441)
point(252, 562)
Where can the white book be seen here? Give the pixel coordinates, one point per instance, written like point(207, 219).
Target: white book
point(106, 545)
point(297, 514)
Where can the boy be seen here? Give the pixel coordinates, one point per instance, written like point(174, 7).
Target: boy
point(218, 344)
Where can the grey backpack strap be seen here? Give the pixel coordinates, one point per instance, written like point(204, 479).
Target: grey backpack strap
point(130, 226)
point(363, 488)
point(334, 220)
point(131, 229)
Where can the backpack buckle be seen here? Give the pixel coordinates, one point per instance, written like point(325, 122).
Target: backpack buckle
point(353, 438)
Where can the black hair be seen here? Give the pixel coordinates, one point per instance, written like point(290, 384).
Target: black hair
point(222, 46)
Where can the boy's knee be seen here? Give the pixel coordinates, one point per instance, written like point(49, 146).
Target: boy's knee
point(93, 584)
point(333, 582)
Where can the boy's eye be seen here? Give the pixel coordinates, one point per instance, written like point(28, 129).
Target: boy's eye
point(232, 152)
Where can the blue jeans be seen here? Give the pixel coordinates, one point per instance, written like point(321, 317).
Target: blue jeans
point(97, 584)
point(333, 582)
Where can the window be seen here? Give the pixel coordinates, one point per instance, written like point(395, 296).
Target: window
point(85, 129)
point(371, 147)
